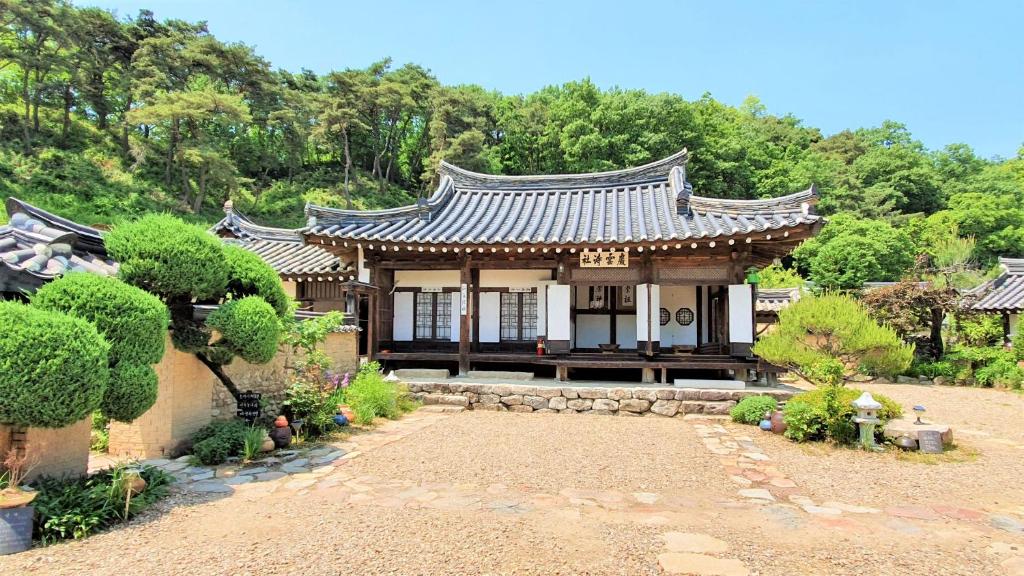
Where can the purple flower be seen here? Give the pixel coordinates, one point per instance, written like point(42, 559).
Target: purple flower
point(344, 381)
point(332, 379)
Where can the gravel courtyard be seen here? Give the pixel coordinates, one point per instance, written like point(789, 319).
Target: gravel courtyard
point(504, 493)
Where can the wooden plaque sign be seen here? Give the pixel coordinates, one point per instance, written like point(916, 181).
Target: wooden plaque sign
point(929, 441)
point(249, 406)
point(611, 259)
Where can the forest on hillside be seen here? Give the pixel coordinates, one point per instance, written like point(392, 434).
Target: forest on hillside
point(104, 118)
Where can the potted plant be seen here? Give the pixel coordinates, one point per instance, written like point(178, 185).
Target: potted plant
point(16, 511)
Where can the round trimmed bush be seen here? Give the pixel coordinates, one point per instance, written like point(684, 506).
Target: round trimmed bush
point(167, 257)
point(751, 409)
point(132, 390)
point(249, 327)
point(249, 275)
point(53, 367)
point(132, 321)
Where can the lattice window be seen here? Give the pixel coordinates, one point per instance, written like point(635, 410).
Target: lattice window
point(684, 316)
point(433, 313)
point(518, 316)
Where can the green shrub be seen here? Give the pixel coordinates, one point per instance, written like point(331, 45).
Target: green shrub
point(249, 275)
point(933, 369)
point(248, 327)
point(314, 405)
point(53, 367)
point(980, 330)
point(826, 413)
point(986, 366)
point(1018, 344)
point(165, 256)
point(132, 391)
point(75, 508)
point(371, 397)
point(99, 436)
point(133, 321)
point(1003, 371)
point(751, 409)
point(252, 442)
point(216, 442)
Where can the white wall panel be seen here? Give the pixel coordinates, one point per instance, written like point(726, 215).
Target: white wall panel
point(427, 278)
point(558, 312)
point(741, 314)
point(456, 316)
point(643, 310)
point(513, 278)
point(403, 316)
point(490, 316)
point(625, 331)
point(592, 330)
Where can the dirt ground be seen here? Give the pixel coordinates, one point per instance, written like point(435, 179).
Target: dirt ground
point(503, 493)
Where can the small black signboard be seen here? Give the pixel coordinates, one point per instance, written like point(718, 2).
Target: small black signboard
point(249, 405)
point(929, 441)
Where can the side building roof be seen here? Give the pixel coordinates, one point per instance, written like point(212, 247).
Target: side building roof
point(649, 203)
point(1006, 292)
point(37, 246)
point(283, 249)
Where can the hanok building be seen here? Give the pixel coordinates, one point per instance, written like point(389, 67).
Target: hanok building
point(1004, 295)
point(37, 246)
point(623, 269)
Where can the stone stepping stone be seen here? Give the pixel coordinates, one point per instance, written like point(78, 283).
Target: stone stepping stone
point(323, 451)
point(205, 475)
point(851, 508)
point(238, 480)
point(958, 513)
point(821, 510)
point(252, 471)
point(1007, 523)
point(757, 494)
point(300, 484)
point(692, 542)
point(211, 487)
point(268, 476)
point(700, 565)
point(646, 497)
point(158, 462)
point(755, 456)
point(175, 466)
point(782, 483)
point(913, 512)
point(292, 468)
point(327, 458)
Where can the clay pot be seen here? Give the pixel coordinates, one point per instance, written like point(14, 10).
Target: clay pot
point(15, 498)
point(267, 445)
point(347, 412)
point(280, 422)
point(778, 424)
point(134, 482)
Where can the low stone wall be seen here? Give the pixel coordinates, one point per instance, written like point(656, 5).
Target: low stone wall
point(625, 401)
point(56, 451)
point(190, 396)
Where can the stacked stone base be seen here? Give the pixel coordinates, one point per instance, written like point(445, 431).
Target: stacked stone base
point(625, 401)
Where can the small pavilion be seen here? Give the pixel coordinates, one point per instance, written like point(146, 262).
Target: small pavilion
point(1003, 295)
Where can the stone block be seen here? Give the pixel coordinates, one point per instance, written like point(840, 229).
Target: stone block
point(513, 400)
point(580, 404)
point(714, 395)
point(906, 427)
point(599, 412)
point(605, 404)
point(490, 407)
point(592, 393)
point(520, 408)
point(570, 393)
point(624, 413)
point(718, 408)
point(634, 405)
point(535, 402)
point(557, 403)
point(544, 411)
point(490, 399)
point(500, 375)
point(545, 392)
point(666, 407)
point(665, 394)
point(421, 373)
point(687, 395)
point(691, 407)
point(453, 400)
point(645, 394)
point(619, 394)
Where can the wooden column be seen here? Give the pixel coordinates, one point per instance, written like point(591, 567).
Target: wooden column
point(474, 308)
point(465, 280)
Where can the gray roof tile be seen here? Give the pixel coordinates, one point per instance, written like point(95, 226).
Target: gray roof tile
point(1005, 293)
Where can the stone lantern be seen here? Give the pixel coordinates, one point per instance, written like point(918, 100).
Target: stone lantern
point(867, 418)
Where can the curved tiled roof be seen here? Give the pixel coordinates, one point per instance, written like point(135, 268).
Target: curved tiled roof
point(37, 246)
point(1005, 293)
point(775, 299)
point(650, 203)
point(283, 249)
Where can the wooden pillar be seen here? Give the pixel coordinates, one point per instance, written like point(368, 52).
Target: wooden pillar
point(1006, 328)
point(700, 313)
point(474, 308)
point(465, 280)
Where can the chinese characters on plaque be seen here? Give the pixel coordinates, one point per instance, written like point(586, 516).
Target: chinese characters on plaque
point(611, 259)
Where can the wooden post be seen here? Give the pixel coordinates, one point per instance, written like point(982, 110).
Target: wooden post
point(1006, 328)
point(474, 275)
point(465, 280)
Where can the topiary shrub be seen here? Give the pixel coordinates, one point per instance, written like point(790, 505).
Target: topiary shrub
point(751, 409)
point(249, 275)
point(132, 321)
point(827, 413)
point(249, 327)
point(167, 257)
point(131, 392)
point(53, 367)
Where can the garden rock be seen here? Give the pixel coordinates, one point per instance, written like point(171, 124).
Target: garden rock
point(666, 407)
point(557, 403)
point(634, 405)
point(605, 404)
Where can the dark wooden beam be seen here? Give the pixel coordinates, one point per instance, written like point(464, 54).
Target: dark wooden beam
point(465, 280)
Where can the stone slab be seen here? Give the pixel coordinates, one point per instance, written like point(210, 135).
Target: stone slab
point(700, 565)
point(692, 542)
point(906, 427)
point(501, 375)
point(703, 384)
point(422, 374)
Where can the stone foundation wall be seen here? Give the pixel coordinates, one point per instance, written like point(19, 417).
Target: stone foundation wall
point(57, 451)
point(625, 401)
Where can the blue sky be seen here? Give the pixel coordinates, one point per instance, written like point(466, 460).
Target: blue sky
point(952, 71)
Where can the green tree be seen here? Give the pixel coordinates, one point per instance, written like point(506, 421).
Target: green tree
point(851, 250)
